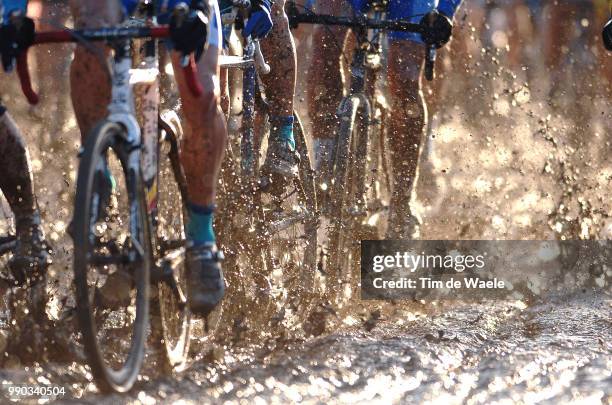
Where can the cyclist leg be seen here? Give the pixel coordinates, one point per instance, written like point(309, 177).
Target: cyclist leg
point(90, 81)
point(17, 186)
point(407, 121)
point(405, 131)
point(282, 158)
point(90, 85)
point(52, 61)
point(203, 148)
point(325, 86)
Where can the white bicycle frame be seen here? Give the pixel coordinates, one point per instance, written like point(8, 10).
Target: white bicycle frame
point(122, 110)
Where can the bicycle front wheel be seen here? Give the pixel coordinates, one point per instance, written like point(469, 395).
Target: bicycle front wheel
point(348, 209)
point(112, 257)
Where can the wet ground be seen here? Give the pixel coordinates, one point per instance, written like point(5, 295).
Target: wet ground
point(559, 351)
point(502, 163)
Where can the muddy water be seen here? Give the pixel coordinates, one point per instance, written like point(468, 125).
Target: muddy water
point(555, 352)
point(501, 163)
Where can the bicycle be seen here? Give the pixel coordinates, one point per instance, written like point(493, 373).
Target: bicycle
point(266, 229)
point(359, 169)
point(129, 243)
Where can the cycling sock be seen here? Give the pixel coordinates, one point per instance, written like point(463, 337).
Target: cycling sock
point(282, 129)
point(109, 177)
point(200, 226)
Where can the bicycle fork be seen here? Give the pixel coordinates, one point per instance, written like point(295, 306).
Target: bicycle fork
point(350, 155)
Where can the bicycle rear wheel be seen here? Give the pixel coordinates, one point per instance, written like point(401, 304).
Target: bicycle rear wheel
point(170, 302)
point(112, 257)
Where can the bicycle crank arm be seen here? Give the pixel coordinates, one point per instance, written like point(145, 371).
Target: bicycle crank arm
point(169, 265)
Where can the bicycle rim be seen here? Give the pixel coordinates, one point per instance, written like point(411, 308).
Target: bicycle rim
point(174, 324)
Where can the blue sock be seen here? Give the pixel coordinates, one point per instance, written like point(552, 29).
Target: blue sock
point(282, 129)
point(109, 177)
point(200, 226)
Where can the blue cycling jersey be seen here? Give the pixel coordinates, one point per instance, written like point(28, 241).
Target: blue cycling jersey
point(411, 10)
point(8, 6)
point(400, 7)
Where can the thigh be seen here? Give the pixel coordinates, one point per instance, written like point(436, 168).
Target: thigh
point(334, 7)
point(328, 40)
point(406, 60)
point(96, 13)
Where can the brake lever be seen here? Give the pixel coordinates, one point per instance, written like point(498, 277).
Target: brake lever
point(187, 61)
point(430, 53)
point(23, 72)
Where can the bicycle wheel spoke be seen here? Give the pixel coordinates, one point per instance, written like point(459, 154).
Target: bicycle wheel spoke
point(112, 258)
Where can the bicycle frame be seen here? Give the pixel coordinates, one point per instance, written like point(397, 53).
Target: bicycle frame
point(122, 110)
point(252, 62)
point(359, 101)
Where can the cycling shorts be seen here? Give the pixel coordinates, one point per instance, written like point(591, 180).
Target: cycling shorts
point(412, 10)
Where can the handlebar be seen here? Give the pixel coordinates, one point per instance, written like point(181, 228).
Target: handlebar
point(296, 18)
point(99, 34)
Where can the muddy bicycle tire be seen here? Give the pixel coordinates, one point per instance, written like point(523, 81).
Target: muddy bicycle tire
point(110, 136)
point(306, 281)
point(171, 323)
point(348, 177)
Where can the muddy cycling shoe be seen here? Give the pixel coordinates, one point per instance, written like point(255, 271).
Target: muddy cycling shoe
point(31, 256)
point(282, 160)
point(403, 225)
point(205, 284)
